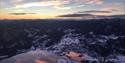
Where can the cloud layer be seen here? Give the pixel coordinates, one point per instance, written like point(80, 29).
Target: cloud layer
point(42, 4)
point(20, 13)
point(49, 8)
point(75, 15)
point(52, 3)
point(95, 11)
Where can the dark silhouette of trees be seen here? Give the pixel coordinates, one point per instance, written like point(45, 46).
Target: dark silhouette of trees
point(111, 47)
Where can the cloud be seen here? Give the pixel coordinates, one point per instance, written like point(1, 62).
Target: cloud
point(75, 15)
point(89, 1)
point(20, 13)
point(2, 2)
point(67, 8)
point(58, 4)
point(42, 4)
point(62, 8)
point(94, 1)
point(115, 8)
point(95, 11)
point(17, 1)
point(89, 13)
point(90, 16)
point(103, 11)
point(69, 1)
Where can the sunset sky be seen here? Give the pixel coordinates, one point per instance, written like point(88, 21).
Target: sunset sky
point(40, 9)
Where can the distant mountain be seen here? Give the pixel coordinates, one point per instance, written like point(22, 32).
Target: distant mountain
point(113, 16)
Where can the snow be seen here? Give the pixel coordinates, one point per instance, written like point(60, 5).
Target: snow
point(37, 56)
point(71, 41)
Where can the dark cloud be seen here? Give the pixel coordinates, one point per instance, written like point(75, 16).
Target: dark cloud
point(91, 16)
point(95, 11)
point(20, 13)
point(75, 15)
point(85, 13)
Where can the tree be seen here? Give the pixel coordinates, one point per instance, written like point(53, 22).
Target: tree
point(109, 46)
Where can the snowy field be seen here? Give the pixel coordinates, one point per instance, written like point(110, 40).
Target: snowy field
point(62, 41)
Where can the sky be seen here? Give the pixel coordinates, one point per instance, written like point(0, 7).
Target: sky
point(42, 9)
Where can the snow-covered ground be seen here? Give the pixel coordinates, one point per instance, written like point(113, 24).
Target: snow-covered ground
point(42, 56)
point(38, 56)
point(69, 43)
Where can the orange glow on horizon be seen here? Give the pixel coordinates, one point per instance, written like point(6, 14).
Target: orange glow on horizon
point(37, 16)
